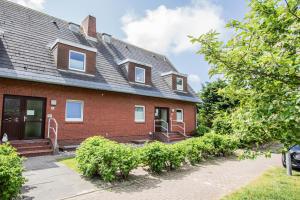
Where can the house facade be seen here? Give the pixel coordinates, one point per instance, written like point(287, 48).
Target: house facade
point(69, 80)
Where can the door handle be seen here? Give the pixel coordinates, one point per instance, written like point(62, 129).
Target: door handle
point(25, 118)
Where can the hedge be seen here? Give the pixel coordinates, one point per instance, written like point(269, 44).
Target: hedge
point(105, 158)
point(11, 168)
point(98, 156)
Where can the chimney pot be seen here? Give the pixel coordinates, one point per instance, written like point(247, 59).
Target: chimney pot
point(89, 26)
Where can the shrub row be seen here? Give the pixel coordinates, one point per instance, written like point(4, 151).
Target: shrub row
point(108, 159)
point(11, 168)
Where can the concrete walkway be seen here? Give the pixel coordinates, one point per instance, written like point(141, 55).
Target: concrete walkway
point(48, 179)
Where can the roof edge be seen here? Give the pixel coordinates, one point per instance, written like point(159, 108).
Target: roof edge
point(74, 44)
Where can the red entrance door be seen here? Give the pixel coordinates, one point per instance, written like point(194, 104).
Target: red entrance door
point(23, 117)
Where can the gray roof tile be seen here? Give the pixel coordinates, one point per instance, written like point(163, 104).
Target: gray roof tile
point(25, 55)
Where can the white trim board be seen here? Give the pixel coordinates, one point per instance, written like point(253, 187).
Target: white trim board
point(73, 44)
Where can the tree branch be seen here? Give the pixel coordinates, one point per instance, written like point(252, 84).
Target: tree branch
point(290, 11)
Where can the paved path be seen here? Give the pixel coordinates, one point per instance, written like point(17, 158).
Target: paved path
point(48, 179)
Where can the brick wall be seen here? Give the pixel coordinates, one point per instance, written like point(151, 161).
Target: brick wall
point(108, 114)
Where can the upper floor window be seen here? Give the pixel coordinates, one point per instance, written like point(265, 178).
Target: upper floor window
point(77, 61)
point(139, 75)
point(179, 83)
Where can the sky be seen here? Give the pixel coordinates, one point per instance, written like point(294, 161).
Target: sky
point(161, 26)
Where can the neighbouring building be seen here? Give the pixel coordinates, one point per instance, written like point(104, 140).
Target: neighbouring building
point(90, 83)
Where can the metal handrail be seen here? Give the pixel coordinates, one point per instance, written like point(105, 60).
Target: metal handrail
point(165, 128)
point(54, 129)
point(182, 127)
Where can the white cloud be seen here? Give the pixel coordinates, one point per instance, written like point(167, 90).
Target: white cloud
point(165, 30)
point(34, 4)
point(194, 78)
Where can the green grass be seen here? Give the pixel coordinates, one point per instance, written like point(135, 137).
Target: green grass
point(71, 163)
point(272, 185)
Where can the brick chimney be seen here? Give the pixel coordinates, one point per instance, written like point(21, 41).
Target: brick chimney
point(89, 26)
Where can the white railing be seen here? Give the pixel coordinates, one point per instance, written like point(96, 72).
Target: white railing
point(177, 124)
point(161, 126)
point(54, 130)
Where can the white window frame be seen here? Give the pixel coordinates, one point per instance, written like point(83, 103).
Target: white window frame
point(144, 109)
point(74, 119)
point(135, 78)
point(84, 62)
point(179, 109)
point(180, 88)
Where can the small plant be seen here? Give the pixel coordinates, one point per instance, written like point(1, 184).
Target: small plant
point(11, 168)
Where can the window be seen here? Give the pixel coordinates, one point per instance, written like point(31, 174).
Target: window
point(139, 75)
point(179, 83)
point(139, 114)
point(76, 61)
point(179, 115)
point(74, 111)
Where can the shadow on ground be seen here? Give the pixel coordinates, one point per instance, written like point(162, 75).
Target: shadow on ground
point(141, 179)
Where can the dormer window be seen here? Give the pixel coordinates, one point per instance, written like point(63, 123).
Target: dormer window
point(140, 75)
point(77, 61)
point(179, 83)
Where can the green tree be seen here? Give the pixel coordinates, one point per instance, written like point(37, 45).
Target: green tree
point(261, 64)
point(212, 105)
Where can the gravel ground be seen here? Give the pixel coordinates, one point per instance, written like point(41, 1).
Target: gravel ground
point(210, 180)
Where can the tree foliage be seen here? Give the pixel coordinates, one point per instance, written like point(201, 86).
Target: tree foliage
point(213, 104)
point(261, 63)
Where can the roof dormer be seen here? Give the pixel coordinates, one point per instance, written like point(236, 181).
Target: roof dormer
point(74, 57)
point(177, 81)
point(137, 72)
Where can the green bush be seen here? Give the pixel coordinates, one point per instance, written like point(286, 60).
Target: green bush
point(196, 150)
point(221, 144)
point(176, 156)
point(11, 168)
point(155, 155)
point(108, 159)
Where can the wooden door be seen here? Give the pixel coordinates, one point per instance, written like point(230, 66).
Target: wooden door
point(12, 122)
point(23, 117)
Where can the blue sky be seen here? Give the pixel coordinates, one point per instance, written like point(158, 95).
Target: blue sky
point(161, 26)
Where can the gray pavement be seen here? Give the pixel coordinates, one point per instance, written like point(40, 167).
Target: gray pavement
point(50, 180)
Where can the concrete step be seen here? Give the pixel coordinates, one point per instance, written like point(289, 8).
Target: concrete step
point(34, 148)
point(23, 143)
point(34, 153)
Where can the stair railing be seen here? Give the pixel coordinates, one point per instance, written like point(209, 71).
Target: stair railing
point(161, 126)
point(180, 125)
point(54, 129)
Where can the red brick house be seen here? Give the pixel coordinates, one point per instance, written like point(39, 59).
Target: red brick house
point(90, 83)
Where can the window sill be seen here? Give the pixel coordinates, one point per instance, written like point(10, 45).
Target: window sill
point(73, 122)
point(140, 84)
point(137, 122)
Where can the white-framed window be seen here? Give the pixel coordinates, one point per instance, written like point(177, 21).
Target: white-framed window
point(179, 115)
point(140, 75)
point(74, 111)
point(77, 61)
point(139, 113)
point(179, 83)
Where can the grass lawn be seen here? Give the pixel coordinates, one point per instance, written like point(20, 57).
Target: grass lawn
point(272, 185)
point(71, 163)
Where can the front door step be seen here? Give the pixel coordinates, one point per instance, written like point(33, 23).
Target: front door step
point(173, 137)
point(30, 148)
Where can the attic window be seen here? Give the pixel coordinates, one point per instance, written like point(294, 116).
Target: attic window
point(77, 61)
point(179, 83)
point(139, 75)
